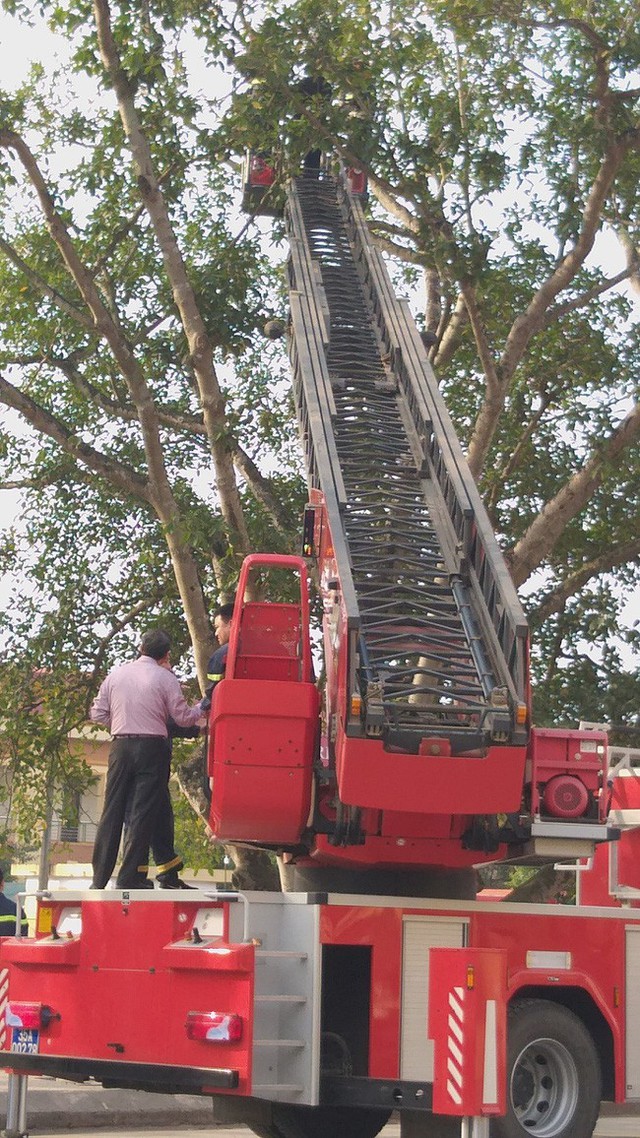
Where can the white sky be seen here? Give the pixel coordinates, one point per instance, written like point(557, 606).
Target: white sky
point(21, 46)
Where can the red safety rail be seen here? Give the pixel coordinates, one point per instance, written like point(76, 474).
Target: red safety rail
point(264, 719)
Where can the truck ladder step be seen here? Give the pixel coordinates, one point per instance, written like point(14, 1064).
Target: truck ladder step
point(281, 999)
point(266, 1089)
point(273, 954)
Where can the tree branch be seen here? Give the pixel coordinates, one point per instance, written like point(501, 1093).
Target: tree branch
point(40, 285)
point(555, 600)
point(402, 252)
point(117, 627)
point(122, 477)
point(450, 335)
point(547, 528)
point(514, 458)
point(530, 322)
point(560, 310)
point(211, 396)
point(262, 491)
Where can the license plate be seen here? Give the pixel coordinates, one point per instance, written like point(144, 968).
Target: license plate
point(25, 1040)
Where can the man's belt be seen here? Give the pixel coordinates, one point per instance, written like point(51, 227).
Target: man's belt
point(126, 736)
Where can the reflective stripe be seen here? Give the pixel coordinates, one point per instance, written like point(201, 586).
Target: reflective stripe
point(10, 919)
point(216, 677)
point(176, 863)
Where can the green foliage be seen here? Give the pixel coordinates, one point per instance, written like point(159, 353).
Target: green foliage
point(192, 836)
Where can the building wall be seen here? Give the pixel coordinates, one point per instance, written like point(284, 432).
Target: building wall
point(74, 843)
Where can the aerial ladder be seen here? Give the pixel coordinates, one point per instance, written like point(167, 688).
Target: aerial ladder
point(424, 737)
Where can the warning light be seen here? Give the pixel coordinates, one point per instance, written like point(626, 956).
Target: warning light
point(521, 714)
point(471, 977)
point(356, 704)
point(214, 1027)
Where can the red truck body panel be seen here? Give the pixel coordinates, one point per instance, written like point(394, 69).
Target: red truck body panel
point(123, 987)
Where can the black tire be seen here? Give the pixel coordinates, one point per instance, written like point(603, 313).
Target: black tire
point(322, 1122)
point(553, 1074)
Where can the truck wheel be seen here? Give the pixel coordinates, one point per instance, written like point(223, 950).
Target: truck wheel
point(323, 1122)
point(553, 1074)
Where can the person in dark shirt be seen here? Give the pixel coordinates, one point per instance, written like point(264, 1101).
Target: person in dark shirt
point(9, 914)
point(312, 86)
point(222, 619)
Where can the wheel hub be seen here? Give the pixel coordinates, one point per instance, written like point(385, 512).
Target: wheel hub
point(544, 1088)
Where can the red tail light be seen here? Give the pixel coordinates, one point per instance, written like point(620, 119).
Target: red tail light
point(20, 1014)
point(214, 1027)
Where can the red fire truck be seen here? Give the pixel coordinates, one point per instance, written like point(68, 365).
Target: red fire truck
point(376, 982)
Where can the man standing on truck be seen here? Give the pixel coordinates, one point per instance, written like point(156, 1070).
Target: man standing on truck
point(167, 862)
point(136, 701)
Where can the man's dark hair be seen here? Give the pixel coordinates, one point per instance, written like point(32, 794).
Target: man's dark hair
point(155, 643)
point(1, 877)
point(225, 611)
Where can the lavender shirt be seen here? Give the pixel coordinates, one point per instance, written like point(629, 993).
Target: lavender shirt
point(139, 698)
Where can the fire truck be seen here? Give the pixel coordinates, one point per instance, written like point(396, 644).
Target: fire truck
point(376, 982)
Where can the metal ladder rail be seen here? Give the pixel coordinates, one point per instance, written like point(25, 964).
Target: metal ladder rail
point(330, 245)
point(313, 396)
point(478, 541)
point(472, 525)
point(322, 228)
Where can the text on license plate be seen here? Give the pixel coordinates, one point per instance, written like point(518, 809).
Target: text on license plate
point(25, 1040)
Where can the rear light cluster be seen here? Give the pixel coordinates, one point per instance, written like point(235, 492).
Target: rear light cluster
point(20, 1013)
point(214, 1027)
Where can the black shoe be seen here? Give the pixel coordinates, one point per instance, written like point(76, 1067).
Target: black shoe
point(143, 884)
point(172, 881)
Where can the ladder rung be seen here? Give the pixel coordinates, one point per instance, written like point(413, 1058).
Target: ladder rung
point(281, 999)
point(276, 954)
point(263, 1088)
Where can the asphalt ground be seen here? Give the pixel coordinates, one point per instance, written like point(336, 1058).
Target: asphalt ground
point(55, 1106)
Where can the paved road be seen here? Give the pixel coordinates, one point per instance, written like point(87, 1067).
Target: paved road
point(624, 1127)
point(59, 1107)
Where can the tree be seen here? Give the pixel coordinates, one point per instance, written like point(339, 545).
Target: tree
point(501, 146)
point(121, 281)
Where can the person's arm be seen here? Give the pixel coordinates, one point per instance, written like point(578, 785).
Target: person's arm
point(176, 732)
point(177, 707)
point(100, 711)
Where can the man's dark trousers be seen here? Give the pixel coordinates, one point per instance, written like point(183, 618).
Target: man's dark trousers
point(138, 774)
